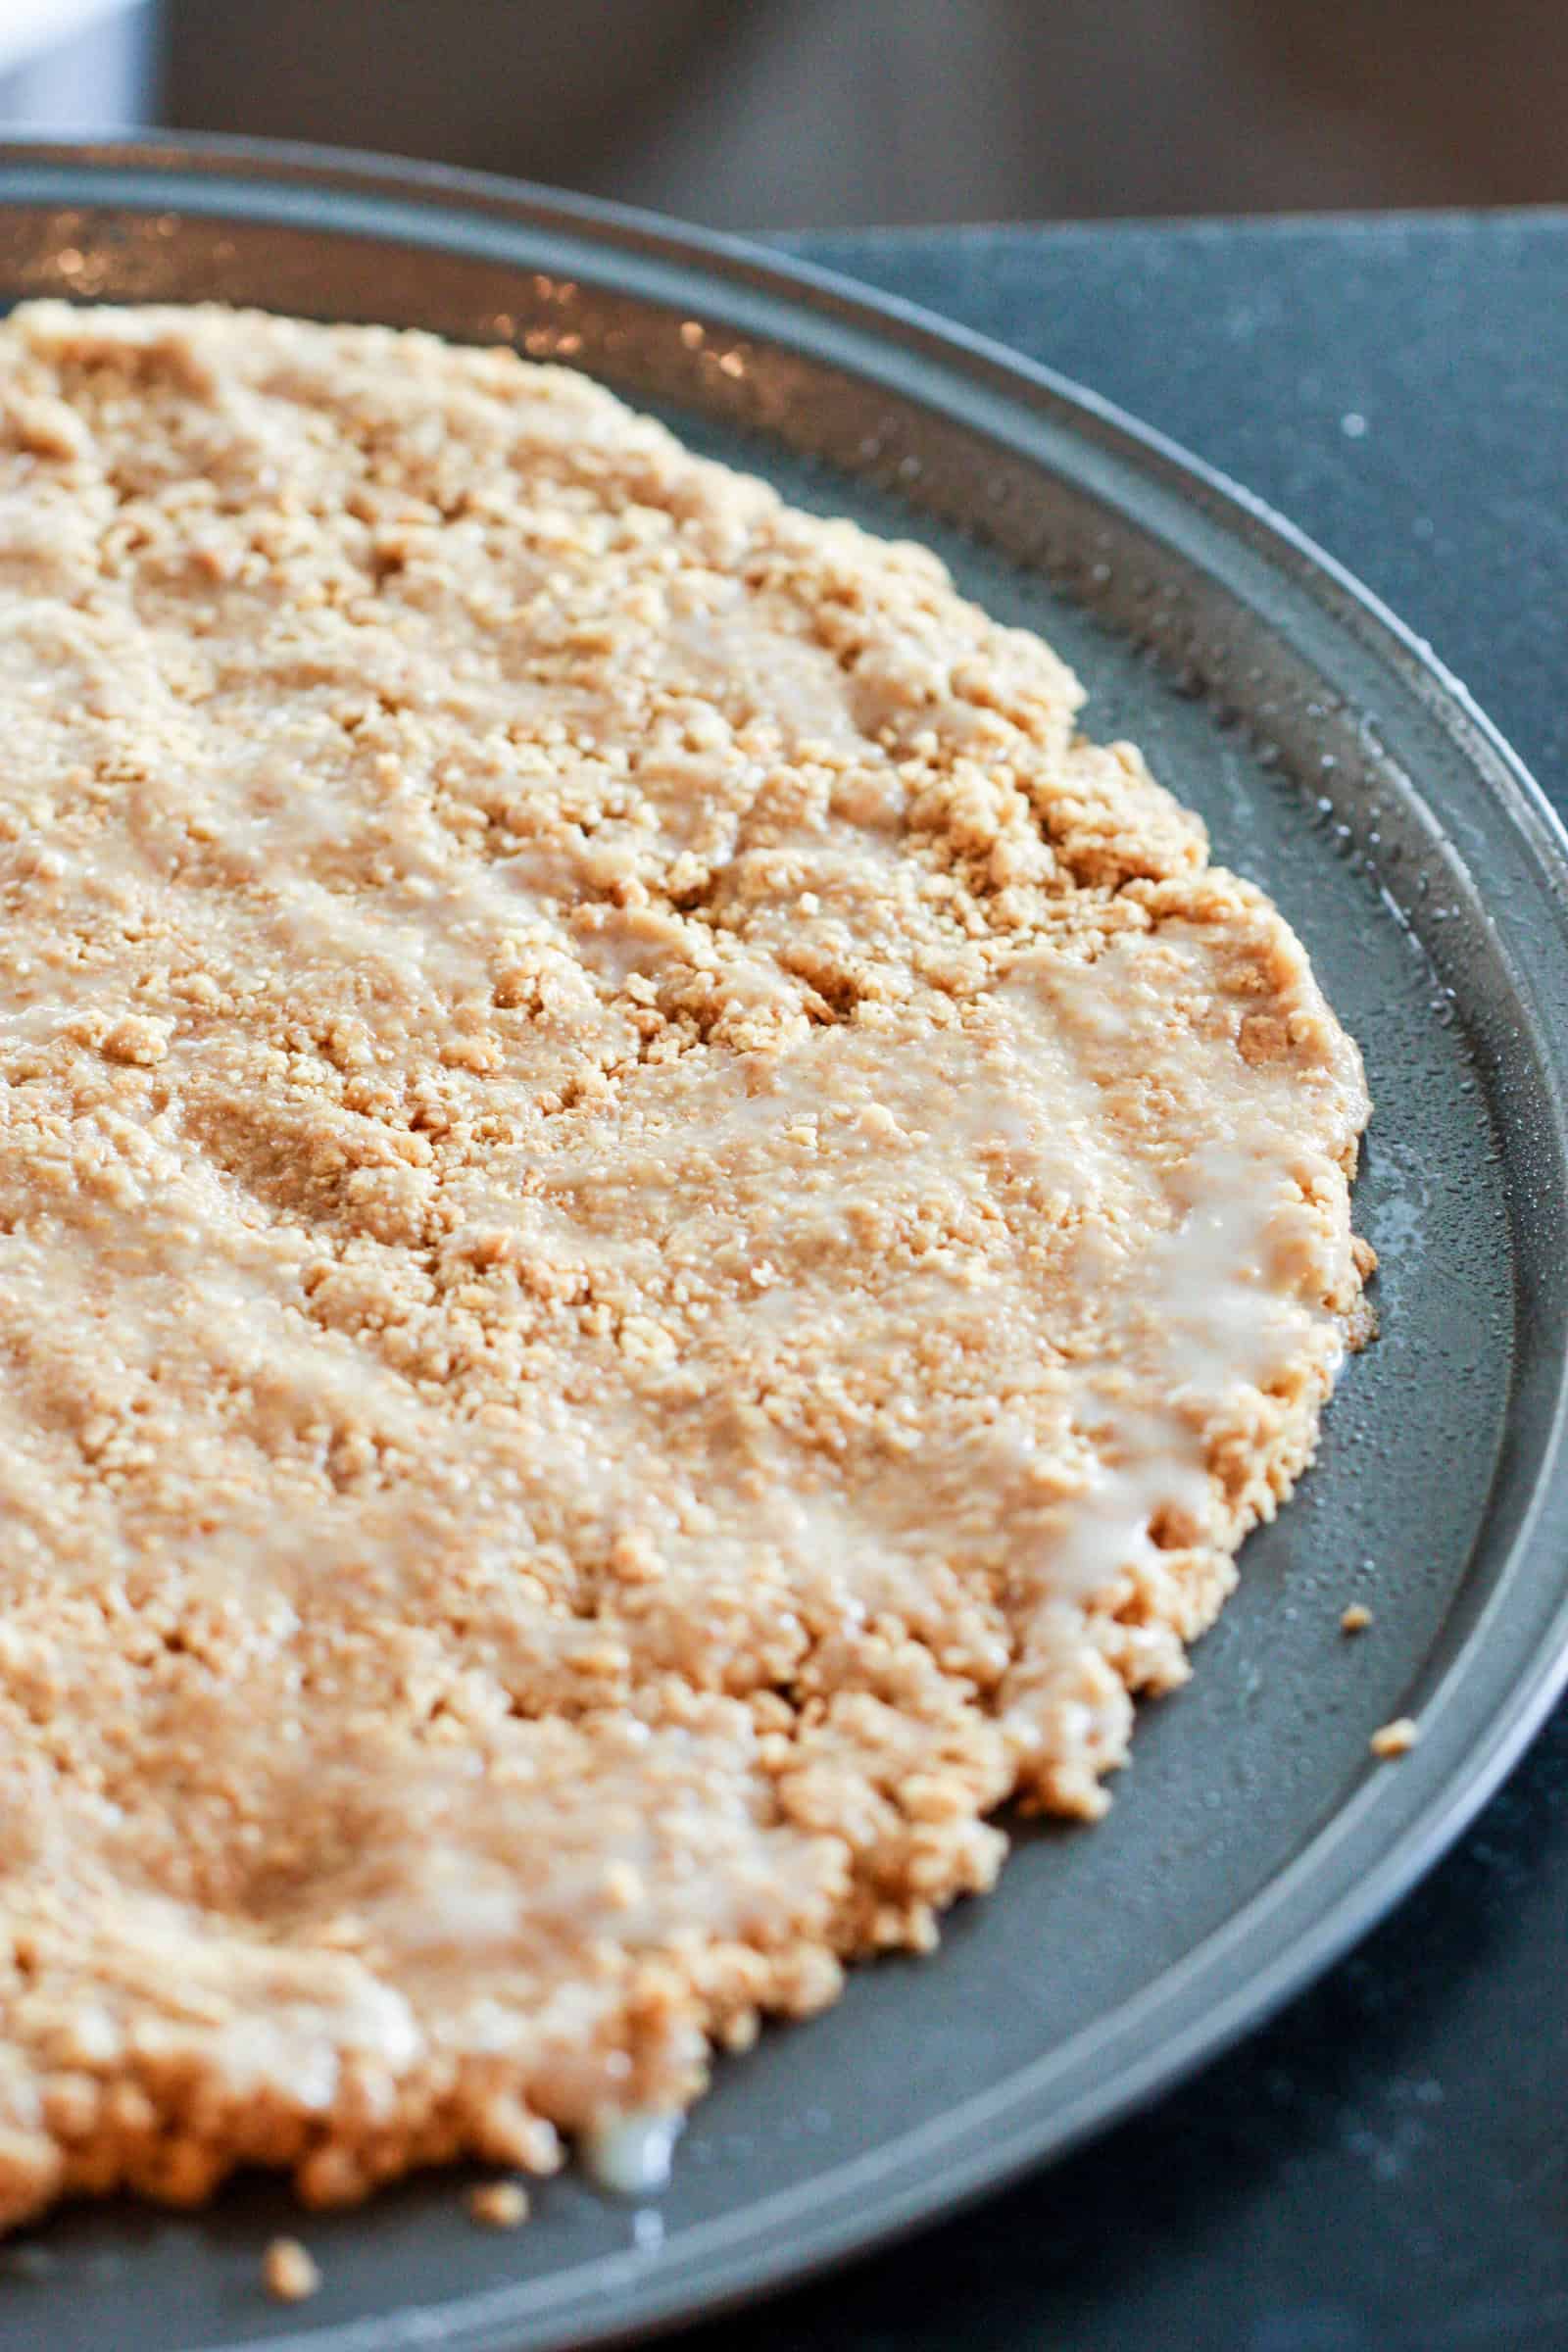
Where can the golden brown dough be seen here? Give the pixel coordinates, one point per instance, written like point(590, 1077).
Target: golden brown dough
point(655, 1241)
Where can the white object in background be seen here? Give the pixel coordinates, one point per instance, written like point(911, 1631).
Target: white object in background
point(77, 64)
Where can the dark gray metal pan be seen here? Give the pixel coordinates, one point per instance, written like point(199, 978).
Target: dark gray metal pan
point(1255, 1837)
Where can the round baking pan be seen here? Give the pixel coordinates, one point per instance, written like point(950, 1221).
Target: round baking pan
point(1255, 1836)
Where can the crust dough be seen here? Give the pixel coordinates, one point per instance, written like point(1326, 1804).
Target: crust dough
point(656, 1242)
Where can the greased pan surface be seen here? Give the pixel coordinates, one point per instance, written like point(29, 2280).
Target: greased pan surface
point(1255, 1837)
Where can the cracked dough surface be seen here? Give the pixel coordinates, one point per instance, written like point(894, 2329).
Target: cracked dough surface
point(655, 1241)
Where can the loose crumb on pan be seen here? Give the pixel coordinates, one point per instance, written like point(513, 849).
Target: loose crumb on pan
point(1356, 1618)
point(499, 2204)
point(657, 1239)
point(1395, 1739)
point(289, 2272)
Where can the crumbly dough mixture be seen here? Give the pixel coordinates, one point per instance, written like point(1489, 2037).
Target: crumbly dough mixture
point(655, 1241)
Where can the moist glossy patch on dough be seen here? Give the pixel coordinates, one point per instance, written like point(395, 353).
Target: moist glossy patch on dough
point(656, 1242)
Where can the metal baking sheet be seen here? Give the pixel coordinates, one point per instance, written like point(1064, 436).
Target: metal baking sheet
point(1254, 1836)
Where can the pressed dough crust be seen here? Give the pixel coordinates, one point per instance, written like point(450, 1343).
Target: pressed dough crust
point(655, 1241)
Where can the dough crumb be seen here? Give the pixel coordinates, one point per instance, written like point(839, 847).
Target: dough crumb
point(1395, 1739)
point(290, 2273)
point(499, 2204)
point(1356, 1618)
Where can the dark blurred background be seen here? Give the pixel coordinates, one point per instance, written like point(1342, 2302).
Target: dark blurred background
point(821, 112)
